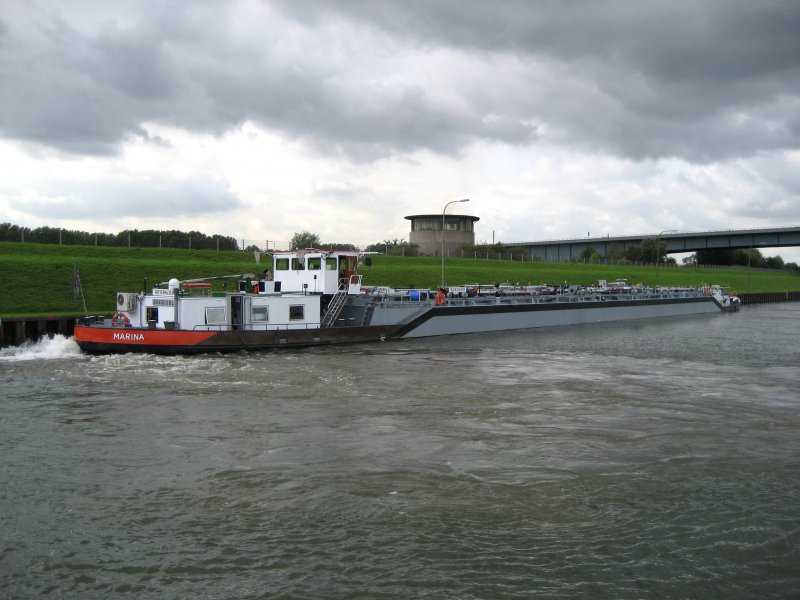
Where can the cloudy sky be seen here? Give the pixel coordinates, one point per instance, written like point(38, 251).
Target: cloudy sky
point(261, 119)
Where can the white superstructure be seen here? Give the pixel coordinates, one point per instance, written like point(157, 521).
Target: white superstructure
point(316, 271)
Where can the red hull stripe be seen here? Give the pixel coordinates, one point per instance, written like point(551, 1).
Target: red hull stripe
point(143, 337)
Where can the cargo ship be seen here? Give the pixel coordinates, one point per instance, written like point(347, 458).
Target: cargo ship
point(313, 297)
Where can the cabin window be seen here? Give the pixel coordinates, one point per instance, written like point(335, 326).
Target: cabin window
point(330, 264)
point(297, 264)
point(215, 316)
point(296, 312)
point(260, 314)
point(314, 263)
point(281, 264)
point(152, 313)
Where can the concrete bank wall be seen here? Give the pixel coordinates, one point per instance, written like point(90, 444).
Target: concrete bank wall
point(17, 330)
point(768, 297)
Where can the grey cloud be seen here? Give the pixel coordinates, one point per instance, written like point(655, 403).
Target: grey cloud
point(703, 82)
point(717, 39)
point(77, 94)
point(676, 75)
point(777, 198)
point(126, 198)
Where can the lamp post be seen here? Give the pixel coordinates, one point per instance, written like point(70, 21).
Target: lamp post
point(658, 252)
point(443, 229)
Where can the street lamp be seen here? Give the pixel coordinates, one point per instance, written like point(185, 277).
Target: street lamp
point(444, 211)
point(658, 252)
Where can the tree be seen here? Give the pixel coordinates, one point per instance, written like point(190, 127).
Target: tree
point(726, 257)
point(305, 239)
point(615, 252)
point(634, 254)
point(339, 246)
point(650, 250)
point(751, 257)
point(773, 262)
point(589, 254)
point(653, 250)
point(395, 247)
point(147, 238)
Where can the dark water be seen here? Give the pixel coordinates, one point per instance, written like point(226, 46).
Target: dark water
point(639, 460)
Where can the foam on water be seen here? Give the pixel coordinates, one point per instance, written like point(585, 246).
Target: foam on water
point(57, 347)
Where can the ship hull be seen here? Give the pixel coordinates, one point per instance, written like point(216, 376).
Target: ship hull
point(425, 321)
point(100, 339)
point(454, 320)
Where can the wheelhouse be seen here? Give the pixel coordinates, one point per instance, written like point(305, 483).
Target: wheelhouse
point(316, 271)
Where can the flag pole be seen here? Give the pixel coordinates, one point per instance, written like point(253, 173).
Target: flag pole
point(77, 288)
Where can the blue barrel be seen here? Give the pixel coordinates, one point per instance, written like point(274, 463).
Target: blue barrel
point(414, 295)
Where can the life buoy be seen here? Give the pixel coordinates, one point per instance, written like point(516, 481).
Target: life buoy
point(120, 319)
point(439, 297)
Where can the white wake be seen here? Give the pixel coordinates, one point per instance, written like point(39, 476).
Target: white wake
point(47, 348)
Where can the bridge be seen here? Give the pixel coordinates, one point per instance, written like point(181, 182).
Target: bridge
point(564, 250)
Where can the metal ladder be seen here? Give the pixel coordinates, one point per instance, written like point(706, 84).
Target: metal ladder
point(334, 307)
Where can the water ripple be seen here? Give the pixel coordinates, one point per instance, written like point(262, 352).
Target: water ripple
point(627, 461)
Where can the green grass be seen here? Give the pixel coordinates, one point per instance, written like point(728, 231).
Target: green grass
point(426, 272)
point(37, 278)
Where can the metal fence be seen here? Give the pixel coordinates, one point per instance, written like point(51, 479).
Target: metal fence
point(134, 239)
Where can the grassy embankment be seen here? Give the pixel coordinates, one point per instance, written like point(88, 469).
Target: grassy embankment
point(37, 278)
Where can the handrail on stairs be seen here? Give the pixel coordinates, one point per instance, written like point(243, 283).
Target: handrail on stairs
point(334, 307)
